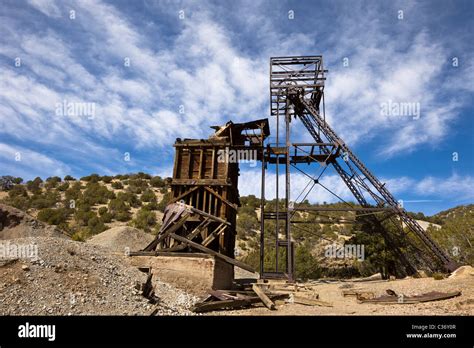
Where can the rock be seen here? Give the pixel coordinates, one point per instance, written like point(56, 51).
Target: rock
point(25, 267)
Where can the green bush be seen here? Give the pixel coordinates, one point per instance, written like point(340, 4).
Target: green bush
point(82, 217)
point(123, 216)
point(130, 198)
point(157, 181)
point(17, 190)
point(106, 217)
point(107, 179)
point(117, 185)
point(69, 178)
point(17, 180)
point(91, 178)
point(63, 187)
point(96, 225)
point(34, 186)
point(102, 210)
point(151, 206)
point(96, 193)
point(52, 182)
point(148, 196)
point(53, 216)
point(164, 202)
point(45, 200)
point(145, 220)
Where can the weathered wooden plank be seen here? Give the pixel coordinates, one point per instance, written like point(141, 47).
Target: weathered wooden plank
point(226, 201)
point(230, 304)
point(261, 294)
point(166, 233)
point(310, 302)
point(213, 253)
point(184, 194)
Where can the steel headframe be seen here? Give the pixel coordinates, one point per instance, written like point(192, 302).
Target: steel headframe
point(297, 91)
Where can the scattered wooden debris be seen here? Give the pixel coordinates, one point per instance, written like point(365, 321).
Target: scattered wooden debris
point(359, 294)
point(310, 302)
point(269, 294)
point(373, 277)
point(242, 302)
point(261, 294)
point(394, 298)
point(148, 290)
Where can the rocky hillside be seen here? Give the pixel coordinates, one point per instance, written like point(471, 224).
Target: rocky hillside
point(87, 206)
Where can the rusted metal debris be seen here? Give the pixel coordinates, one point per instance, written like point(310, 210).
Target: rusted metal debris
point(393, 298)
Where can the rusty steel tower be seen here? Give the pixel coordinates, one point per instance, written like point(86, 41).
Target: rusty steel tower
point(297, 95)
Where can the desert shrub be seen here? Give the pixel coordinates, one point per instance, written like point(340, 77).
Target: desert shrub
point(52, 182)
point(69, 178)
point(130, 198)
point(151, 206)
point(164, 202)
point(54, 216)
point(45, 200)
point(73, 192)
point(106, 217)
point(148, 196)
point(19, 202)
point(91, 178)
point(64, 186)
point(122, 216)
point(96, 193)
point(117, 185)
point(82, 217)
point(17, 180)
point(145, 220)
point(157, 181)
point(17, 190)
point(107, 179)
point(141, 175)
point(95, 225)
point(102, 210)
point(34, 186)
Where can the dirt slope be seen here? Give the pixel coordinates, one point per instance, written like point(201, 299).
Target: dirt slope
point(15, 223)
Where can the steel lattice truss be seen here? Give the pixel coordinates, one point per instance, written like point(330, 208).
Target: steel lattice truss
point(297, 91)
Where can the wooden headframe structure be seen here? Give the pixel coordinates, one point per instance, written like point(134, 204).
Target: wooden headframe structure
point(202, 211)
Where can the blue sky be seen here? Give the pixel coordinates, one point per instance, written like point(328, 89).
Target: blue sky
point(193, 64)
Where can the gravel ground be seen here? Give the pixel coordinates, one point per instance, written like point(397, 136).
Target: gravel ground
point(74, 278)
point(332, 293)
point(119, 238)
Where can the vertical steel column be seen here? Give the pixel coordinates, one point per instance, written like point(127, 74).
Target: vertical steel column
point(289, 251)
point(262, 220)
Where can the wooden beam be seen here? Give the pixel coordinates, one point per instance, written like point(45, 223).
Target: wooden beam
point(213, 253)
point(229, 304)
point(213, 235)
point(200, 182)
point(230, 204)
point(166, 233)
point(184, 194)
point(261, 294)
